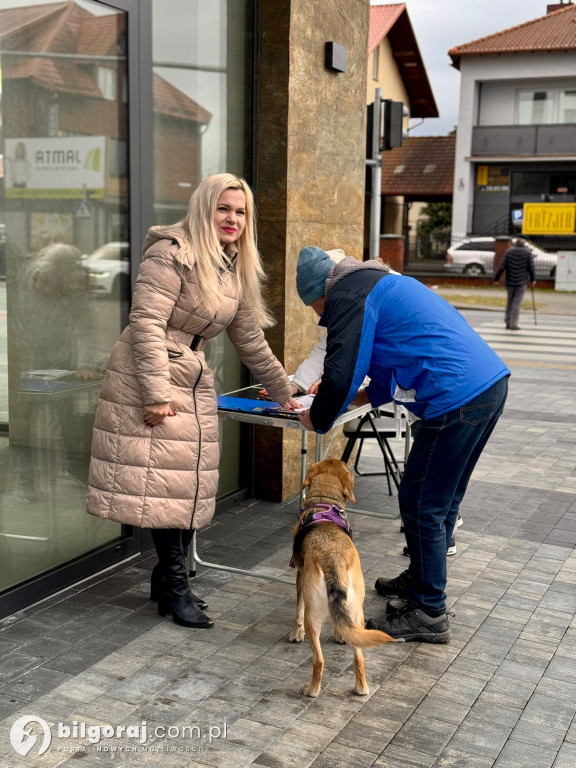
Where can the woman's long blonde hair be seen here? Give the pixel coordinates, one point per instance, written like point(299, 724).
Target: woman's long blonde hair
point(207, 253)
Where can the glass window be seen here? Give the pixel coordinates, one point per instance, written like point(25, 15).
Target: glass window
point(529, 183)
point(201, 101)
point(535, 107)
point(107, 79)
point(59, 313)
point(567, 108)
point(478, 245)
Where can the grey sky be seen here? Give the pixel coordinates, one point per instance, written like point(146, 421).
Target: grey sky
point(442, 24)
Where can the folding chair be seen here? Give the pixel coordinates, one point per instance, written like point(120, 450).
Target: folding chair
point(375, 425)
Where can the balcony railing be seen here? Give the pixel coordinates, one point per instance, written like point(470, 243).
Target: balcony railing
point(523, 140)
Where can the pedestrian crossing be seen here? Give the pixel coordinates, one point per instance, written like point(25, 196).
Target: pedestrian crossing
point(552, 341)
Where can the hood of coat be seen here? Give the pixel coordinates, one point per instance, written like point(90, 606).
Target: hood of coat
point(348, 265)
point(177, 234)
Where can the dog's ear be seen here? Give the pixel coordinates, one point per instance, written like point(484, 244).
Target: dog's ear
point(312, 472)
point(348, 486)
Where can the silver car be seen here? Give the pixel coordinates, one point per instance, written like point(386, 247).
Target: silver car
point(109, 269)
point(475, 257)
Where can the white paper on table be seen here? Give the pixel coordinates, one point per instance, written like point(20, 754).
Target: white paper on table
point(305, 402)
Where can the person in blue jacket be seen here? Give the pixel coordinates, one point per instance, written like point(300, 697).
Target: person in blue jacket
point(421, 353)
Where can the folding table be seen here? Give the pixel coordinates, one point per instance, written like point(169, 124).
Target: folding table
point(282, 421)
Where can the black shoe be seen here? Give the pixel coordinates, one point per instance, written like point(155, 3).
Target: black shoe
point(451, 549)
point(156, 579)
point(157, 576)
point(411, 624)
point(397, 587)
point(184, 609)
point(174, 594)
point(515, 328)
point(393, 606)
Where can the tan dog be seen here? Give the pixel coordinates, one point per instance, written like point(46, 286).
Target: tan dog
point(329, 582)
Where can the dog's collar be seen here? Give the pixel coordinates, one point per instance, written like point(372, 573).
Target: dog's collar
point(324, 513)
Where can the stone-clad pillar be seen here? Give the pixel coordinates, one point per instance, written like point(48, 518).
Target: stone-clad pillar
point(311, 147)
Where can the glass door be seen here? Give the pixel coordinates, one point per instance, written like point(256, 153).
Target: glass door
point(202, 95)
point(64, 271)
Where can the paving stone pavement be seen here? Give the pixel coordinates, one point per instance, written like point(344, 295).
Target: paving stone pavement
point(502, 694)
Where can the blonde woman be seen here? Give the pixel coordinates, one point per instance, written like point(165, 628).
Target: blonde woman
point(155, 446)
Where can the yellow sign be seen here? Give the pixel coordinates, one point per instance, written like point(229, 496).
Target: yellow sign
point(549, 219)
point(482, 175)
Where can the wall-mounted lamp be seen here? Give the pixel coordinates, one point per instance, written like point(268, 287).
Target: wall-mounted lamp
point(460, 184)
point(335, 57)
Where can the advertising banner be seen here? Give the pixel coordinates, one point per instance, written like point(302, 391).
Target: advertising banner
point(59, 167)
point(549, 219)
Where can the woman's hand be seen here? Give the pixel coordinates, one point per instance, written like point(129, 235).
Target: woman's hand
point(313, 389)
point(155, 413)
point(264, 392)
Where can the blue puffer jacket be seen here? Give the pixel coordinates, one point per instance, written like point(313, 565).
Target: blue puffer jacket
point(416, 349)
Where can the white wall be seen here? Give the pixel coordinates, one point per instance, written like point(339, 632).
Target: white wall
point(498, 74)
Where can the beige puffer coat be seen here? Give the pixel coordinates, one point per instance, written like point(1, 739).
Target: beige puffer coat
point(166, 476)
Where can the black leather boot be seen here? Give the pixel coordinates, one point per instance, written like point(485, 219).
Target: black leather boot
point(157, 575)
point(174, 594)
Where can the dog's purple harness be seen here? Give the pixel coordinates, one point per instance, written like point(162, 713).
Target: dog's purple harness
point(330, 513)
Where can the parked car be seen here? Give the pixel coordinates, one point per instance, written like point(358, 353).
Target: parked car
point(475, 257)
point(109, 269)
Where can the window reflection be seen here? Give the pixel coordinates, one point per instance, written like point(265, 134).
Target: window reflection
point(63, 197)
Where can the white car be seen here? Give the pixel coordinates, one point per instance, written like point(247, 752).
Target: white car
point(109, 269)
point(475, 257)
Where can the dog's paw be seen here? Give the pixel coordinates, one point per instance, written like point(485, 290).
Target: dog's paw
point(310, 691)
point(361, 690)
point(338, 639)
point(297, 635)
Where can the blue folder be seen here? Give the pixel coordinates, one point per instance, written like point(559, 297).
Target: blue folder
point(244, 405)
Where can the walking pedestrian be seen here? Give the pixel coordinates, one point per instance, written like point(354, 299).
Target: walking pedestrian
point(155, 446)
point(518, 263)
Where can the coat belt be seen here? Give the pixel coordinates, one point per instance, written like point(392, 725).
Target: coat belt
point(181, 337)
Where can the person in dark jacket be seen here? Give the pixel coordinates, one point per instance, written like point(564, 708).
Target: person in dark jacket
point(421, 353)
point(518, 263)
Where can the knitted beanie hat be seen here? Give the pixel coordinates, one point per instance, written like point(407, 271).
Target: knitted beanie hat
point(313, 267)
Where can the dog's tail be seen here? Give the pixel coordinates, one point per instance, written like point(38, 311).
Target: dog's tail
point(357, 637)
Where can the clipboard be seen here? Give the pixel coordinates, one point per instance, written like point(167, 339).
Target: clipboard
point(254, 407)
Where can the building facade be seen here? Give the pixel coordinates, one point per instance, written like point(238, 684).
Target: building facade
point(396, 66)
point(111, 113)
point(515, 167)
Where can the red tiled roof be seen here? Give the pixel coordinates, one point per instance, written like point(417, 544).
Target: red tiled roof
point(393, 22)
point(99, 34)
point(170, 101)
point(421, 169)
point(66, 27)
point(382, 19)
point(554, 32)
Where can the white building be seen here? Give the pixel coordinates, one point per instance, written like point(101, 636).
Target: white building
point(516, 140)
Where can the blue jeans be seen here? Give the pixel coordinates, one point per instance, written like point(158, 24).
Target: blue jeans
point(443, 456)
